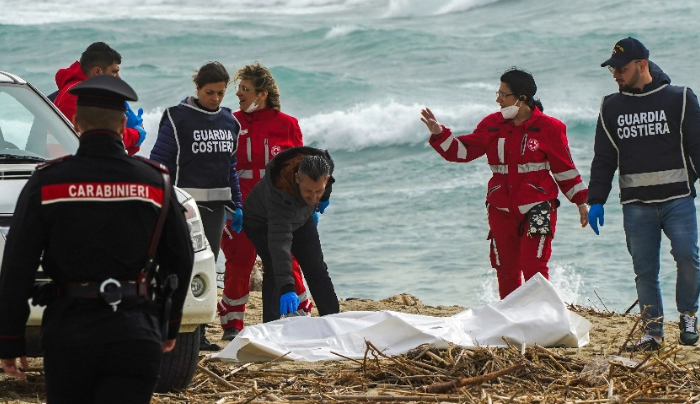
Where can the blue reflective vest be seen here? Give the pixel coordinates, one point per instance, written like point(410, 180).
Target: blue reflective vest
point(653, 137)
point(199, 149)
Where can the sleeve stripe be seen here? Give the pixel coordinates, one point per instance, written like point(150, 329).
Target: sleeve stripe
point(574, 190)
point(461, 149)
point(566, 175)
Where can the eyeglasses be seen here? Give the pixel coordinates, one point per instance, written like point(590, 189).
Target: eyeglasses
point(501, 94)
point(621, 69)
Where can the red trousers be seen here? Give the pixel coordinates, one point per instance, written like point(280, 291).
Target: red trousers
point(515, 256)
point(240, 260)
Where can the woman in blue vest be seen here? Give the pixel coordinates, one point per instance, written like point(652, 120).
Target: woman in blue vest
point(197, 141)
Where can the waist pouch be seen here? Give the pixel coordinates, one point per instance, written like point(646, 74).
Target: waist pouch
point(539, 219)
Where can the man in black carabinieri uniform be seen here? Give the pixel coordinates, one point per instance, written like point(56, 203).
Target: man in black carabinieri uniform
point(90, 220)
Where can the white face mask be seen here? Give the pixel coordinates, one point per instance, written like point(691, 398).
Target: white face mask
point(510, 112)
point(252, 107)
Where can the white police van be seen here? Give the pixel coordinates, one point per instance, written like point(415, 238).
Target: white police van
point(33, 130)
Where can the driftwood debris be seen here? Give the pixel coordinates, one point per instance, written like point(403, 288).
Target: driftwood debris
point(517, 374)
point(455, 375)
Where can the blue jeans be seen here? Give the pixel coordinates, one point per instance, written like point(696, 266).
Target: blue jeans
point(643, 224)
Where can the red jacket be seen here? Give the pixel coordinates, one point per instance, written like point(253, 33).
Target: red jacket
point(529, 161)
point(65, 102)
point(263, 135)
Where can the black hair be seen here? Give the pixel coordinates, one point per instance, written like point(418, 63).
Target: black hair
point(521, 84)
point(99, 54)
point(314, 167)
point(211, 72)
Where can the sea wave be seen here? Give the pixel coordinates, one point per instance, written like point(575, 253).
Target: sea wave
point(391, 123)
point(418, 8)
point(394, 123)
point(338, 31)
point(380, 124)
point(41, 12)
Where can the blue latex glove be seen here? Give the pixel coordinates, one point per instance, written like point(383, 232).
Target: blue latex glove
point(133, 120)
point(315, 217)
point(142, 135)
point(288, 303)
point(323, 205)
point(596, 214)
point(236, 219)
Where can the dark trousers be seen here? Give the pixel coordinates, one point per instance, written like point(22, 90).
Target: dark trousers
point(306, 248)
point(213, 218)
point(114, 373)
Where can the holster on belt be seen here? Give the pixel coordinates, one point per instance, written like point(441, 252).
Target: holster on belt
point(164, 291)
point(43, 293)
point(165, 285)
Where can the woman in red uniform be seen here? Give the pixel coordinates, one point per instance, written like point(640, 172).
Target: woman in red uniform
point(265, 131)
point(529, 156)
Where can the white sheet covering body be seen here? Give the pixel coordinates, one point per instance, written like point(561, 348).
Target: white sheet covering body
point(533, 314)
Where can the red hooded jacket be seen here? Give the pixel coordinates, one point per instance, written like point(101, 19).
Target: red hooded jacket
point(65, 102)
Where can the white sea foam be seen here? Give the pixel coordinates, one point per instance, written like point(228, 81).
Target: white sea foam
point(376, 125)
point(418, 8)
point(572, 115)
point(32, 12)
point(479, 86)
point(393, 123)
point(565, 279)
point(360, 127)
point(385, 124)
point(453, 6)
point(342, 30)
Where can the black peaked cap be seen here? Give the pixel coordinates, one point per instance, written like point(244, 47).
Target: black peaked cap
point(104, 91)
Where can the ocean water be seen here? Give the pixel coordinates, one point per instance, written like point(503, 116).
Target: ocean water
point(356, 74)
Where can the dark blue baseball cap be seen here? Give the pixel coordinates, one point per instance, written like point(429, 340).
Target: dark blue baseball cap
point(625, 51)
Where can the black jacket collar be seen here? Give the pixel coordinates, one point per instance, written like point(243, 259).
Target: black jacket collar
point(101, 142)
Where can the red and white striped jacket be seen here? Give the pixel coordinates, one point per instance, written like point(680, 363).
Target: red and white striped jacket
point(530, 162)
point(263, 135)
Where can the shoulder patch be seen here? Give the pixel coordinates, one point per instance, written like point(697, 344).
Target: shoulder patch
point(50, 162)
point(494, 129)
point(154, 164)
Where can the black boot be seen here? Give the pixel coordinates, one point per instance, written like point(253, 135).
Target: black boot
point(204, 343)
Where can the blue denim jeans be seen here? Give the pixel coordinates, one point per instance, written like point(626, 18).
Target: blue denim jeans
point(643, 224)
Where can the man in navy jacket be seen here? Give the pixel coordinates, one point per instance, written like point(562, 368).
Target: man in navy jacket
point(650, 132)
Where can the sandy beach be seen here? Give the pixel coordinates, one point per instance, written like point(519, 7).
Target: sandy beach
point(280, 381)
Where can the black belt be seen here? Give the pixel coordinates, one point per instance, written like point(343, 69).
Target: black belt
point(91, 290)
